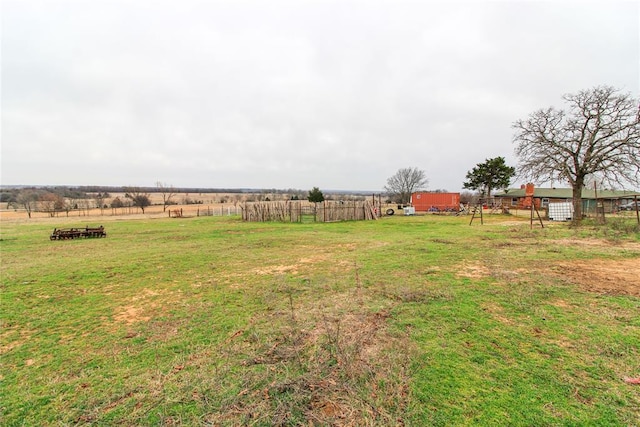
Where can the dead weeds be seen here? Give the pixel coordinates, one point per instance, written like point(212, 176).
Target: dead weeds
point(334, 363)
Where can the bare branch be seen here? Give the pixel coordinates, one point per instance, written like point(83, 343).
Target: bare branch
point(404, 182)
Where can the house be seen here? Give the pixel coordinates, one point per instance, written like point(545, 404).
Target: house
point(514, 198)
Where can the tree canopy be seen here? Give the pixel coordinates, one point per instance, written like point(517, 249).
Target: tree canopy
point(485, 177)
point(405, 182)
point(599, 134)
point(315, 195)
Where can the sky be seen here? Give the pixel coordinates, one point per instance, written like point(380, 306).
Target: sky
point(291, 94)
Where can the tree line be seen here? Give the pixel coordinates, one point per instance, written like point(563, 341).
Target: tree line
point(56, 200)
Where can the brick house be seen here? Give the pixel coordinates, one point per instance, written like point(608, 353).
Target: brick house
point(514, 198)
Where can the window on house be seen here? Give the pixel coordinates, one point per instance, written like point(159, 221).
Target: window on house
point(514, 201)
point(545, 202)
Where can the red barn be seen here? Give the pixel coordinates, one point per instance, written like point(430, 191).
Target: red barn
point(426, 201)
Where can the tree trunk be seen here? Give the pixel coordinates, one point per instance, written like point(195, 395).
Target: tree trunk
point(577, 201)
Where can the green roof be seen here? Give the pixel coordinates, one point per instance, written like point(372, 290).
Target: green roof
point(567, 193)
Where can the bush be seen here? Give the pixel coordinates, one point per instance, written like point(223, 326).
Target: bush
point(612, 228)
point(7, 197)
point(623, 225)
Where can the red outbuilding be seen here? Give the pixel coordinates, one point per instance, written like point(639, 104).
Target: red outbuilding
point(427, 201)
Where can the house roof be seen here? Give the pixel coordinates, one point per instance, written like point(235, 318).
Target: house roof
point(567, 193)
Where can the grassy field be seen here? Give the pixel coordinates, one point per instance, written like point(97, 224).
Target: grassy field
point(402, 321)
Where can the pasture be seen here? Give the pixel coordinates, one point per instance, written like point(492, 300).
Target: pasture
point(420, 320)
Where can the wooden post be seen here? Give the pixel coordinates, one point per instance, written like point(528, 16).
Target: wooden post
point(595, 190)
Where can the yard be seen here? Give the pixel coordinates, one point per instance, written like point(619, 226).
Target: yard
point(421, 320)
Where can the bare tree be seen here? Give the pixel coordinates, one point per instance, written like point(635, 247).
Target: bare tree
point(405, 182)
point(51, 203)
point(167, 192)
point(99, 199)
point(138, 197)
point(84, 206)
point(28, 199)
point(599, 134)
point(469, 197)
point(68, 205)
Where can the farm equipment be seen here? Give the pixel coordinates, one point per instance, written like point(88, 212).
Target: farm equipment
point(76, 233)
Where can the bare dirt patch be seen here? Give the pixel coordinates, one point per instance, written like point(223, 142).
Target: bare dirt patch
point(131, 314)
point(560, 303)
point(498, 313)
point(617, 277)
point(597, 243)
point(140, 308)
point(473, 271)
point(605, 276)
point(13, 337)
point(277, 269)
point(292, 268)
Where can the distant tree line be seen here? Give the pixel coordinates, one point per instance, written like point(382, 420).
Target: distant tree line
point(158, 188)
point(61, 199)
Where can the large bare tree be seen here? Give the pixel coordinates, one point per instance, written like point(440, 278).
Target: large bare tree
point(404, 182)
point(598, 134)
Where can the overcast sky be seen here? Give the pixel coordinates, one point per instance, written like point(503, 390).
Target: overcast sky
point(291, 94)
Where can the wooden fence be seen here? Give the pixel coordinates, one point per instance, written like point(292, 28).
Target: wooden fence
point(301, 211)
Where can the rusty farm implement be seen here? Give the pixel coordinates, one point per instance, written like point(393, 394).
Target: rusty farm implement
point(76, 233)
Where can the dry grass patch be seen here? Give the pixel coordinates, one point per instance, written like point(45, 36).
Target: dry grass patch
point(497, 312)
point(144, 306)
point(18, 337)
point(332, 362)
point(473, 270)
point(597, 243)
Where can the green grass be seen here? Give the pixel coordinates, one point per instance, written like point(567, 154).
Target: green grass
point(406, 320)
